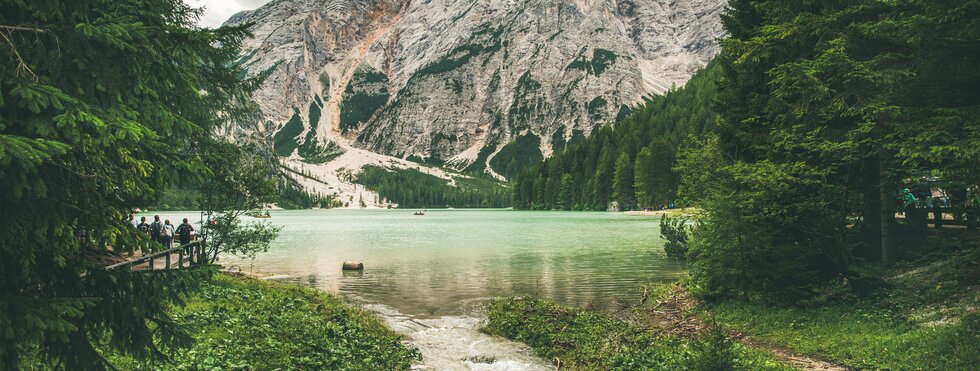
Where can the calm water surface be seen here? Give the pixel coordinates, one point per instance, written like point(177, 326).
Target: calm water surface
point(438, 263)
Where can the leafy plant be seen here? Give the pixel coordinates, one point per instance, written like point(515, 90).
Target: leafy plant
point(675, 231)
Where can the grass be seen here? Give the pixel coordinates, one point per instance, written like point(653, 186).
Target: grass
point(923, 316)
point(241, 323)
point(589, 340)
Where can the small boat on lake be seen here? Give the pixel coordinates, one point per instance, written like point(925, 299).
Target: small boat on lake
point(262, 216)
point(419, 213)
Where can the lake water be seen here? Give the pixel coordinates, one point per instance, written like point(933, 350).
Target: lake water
point(431, 275)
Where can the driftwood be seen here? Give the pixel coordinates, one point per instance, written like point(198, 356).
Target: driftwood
point(353, 266)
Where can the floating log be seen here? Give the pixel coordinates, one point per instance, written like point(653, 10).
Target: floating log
point(353, 266)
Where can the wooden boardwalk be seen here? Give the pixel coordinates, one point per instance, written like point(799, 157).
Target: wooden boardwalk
point(181, 257)
point(940, 217)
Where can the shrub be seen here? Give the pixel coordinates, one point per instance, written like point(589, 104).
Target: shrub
point(675, 231)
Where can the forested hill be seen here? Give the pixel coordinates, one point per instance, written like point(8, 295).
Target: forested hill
point(630, 162)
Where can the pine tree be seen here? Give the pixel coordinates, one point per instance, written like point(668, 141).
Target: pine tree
point(623, 191)
point(102, 106)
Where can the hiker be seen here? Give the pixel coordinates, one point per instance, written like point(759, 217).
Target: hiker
point(143, 226)
point(908, 199)
point(184, 231)
point(155, 228)
point(167, 234)
point(132, 220)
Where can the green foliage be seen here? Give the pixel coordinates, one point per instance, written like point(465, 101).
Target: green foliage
point(595, 106)
point(601, 60)
point(357, 108)
point(820, 101)
point(526, 103)
point(414, 189)
point(461, 55)
point(623, 190)
point(241, 323)
point(590, 340)
point(660, 127)
point(479, 165)
point(675, 232)
point(292, 197)
point(517, 155)
point(311, 150)
point(656, 180)
point(103, 106)
point(286, 139)
point(178, 199)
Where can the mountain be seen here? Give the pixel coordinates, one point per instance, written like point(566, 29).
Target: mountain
point(481, 85)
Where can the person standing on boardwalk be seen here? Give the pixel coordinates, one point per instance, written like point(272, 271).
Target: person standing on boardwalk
point(132, 220)
point(155, 229)
point(143, 226)
point(167, 234)
point(184, 231)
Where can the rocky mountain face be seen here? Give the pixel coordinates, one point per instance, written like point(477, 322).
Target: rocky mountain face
point(486, 85)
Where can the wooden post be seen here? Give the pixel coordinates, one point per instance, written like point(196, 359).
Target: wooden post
point(937, 215)
point(971, 218)
point(167, 260)
point(151, 263)
point(180, 259)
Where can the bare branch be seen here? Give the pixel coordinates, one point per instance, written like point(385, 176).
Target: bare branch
point(6, 32)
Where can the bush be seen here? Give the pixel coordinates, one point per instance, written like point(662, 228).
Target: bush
point(675, 231)
point(251, 324)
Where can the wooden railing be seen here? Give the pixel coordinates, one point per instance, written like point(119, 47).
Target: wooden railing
point(968, 217)
point(194, 253)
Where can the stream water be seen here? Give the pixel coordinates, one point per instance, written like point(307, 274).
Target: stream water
point(430, 276)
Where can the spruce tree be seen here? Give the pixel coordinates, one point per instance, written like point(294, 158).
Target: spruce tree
point(103, 104)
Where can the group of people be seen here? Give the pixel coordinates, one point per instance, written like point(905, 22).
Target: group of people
point(163, 232)
point(926, 195)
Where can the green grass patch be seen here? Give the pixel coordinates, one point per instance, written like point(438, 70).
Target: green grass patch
point(921, 314)
point(589, 340)
point(241, 323)
point(857, 336)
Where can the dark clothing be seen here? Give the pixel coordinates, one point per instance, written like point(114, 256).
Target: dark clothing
point(184, 230)
point(144, 227)
point(155, 229)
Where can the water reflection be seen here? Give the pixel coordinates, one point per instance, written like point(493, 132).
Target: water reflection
point(435, 264)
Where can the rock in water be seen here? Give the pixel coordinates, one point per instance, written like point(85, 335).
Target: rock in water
point(353, 266)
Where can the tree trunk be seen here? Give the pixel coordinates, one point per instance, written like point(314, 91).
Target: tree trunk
point(886, 199)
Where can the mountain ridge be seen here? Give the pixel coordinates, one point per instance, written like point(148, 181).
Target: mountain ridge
point(462, 83)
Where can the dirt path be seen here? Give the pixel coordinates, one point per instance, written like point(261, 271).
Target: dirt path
point(673, 314)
